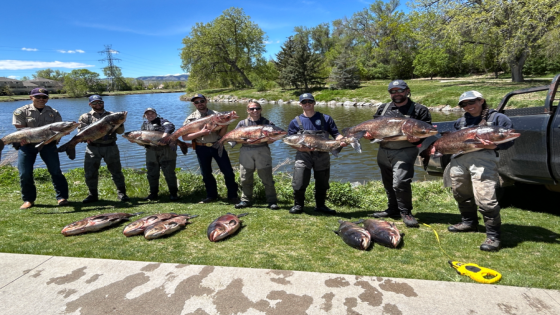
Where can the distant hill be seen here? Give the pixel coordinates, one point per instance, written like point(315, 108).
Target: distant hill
point(176, 77)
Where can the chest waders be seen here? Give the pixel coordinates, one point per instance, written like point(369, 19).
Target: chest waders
point(305, 161)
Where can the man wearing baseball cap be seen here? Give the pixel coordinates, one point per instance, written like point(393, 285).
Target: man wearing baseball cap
point(38, 114)
point(474, 176)
point(396, 158)
point(315, 123)
point(104, 148)
point(160, 157)
point(204, 140)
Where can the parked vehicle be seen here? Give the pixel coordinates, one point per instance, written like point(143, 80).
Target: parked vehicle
point(535, 157)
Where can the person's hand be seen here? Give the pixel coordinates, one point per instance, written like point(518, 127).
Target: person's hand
point(23, 142)
point(486, 144)
point(88, 142)
point(432, 150)
point(368, 136)
point(343, 144)
point(206, 130)
point(165, 139)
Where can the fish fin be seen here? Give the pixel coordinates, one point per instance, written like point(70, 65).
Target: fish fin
point(242, 215)
point(137, 213)
point(183, 146)
point(254, 140)
point(336, 232)
point(359, 221)
point(357, 146)
point(438, 154)
point(345, 131)
point(335, 152)
point(193, 216)
point(375, 140)
point(232, 143)
point(220, 146)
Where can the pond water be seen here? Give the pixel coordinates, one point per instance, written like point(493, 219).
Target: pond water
point(349, 166)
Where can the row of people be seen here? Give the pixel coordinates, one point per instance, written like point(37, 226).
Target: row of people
point(474, 176)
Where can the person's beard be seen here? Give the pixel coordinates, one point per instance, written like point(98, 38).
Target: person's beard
point(398, 98)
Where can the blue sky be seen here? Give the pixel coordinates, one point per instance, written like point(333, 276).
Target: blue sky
point(148, 35)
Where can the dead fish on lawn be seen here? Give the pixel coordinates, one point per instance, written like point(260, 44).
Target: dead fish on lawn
point(41, 135)
point(322, 144)
point(224, 226)
point(250, 134)
point(167, 226)
point(138, 226)
point(155, 138)
point(98, 129)
point(354, 235)
point(383, 232)
point(466, 140)
point(96, 223)
point(393, 129)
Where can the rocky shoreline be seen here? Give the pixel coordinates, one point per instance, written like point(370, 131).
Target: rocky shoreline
point(333, 103)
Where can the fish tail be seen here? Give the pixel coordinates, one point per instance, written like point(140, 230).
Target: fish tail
point(184, 147)
point(336, 151)
point(220, 146)
point(70, 150)
point(1, 148)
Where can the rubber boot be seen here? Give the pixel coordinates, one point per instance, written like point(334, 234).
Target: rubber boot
point(153, 194)
point(299, 201)
point(93, 196)
point(173, 194)
point(320, 198)
point(493, 233)
point(121, 194)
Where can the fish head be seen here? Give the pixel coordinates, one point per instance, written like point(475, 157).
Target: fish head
point(133, 135)
point(65, 126)
point(117, 118)
point(293, 140)
point(274, 132)
point(217, 231)
point(501, 135)
point(224, 118)
point(418, 129)
point(74, 228)
point(155, 231)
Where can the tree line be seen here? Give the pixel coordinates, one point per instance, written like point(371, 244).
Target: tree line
point(441, 38)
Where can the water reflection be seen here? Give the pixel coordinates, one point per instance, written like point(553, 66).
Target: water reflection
point(349, 166)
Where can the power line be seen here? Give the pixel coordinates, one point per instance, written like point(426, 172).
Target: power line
point(113, 70)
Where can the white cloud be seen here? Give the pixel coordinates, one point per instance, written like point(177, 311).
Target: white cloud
point(13, 77)
point(62, 51)
point(114, 52)
point(71, 51)
point(21, 65)
point(29, 49)
point(80, 51)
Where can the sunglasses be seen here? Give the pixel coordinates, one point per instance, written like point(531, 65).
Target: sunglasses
point(41, 97)
point(254, 109)
point(97, 103)
point(199, 102)
point(467, 103)
point(396, 91)
point(307, 102)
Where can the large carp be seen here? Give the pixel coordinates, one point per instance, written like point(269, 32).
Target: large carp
point(138, 226)
point(322, 144)
point(95, 223)
point(383, 232)
point(251, 135)
point(154, 138)
point(224, 226)
point(354, 235)
point(167, 226)
point(104, 126)
point(467, 140)
point(393, 129)
point(214, 122)
point(41, 135)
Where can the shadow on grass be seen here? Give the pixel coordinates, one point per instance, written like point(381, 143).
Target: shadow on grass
point(76, 206)
point(514, 234)
point(532, 198)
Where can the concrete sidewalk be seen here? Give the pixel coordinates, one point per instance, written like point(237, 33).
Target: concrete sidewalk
point(32, 284)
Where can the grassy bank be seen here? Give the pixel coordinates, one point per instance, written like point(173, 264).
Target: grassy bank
point(57, 96)
point(428, 92)
point(279, 240)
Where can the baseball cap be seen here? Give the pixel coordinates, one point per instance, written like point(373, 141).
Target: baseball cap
point(399, 84)
point(39, 91)
point(470, 95)
point(94, 98)
point(306, 96)
point(149, 109)
point(198, 96)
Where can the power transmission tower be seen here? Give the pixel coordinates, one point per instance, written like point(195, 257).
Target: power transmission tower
point(113, 70)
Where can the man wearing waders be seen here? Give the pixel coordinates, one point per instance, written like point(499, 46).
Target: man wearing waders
point(396, 158)
point(312, 122)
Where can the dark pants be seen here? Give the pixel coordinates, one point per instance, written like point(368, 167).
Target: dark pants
point(205, 155)
point(92, 163)
point(397, 171)
point(26, 158)
point(163, 158)
point(319, 162)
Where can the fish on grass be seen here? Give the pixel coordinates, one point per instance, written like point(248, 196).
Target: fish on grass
point(106, 125)
point(353, 234)
point(224, 226)
point(137, 227)
point(167, 226)
point(214, 122)
point(393, 129)
point(322, 144)
point(467, 140)
point(155, 139)
point(41, 135)
point(96, 223)
point(383, 232)
point(250, 135)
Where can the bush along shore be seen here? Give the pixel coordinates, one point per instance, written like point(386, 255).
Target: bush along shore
point(279, 240)
point(333, 103)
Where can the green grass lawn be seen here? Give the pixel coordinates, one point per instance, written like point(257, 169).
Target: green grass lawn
point(279, 240)
point(428, 92)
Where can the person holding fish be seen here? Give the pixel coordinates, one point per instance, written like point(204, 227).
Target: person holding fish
point(307, 159)
point(203, 141)
point(160, 157)
point(103, 148)
point(396, 158)
point(474, 176)
point(256, 156)
point(38, 114)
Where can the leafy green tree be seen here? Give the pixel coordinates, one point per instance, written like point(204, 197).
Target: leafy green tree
point(50, 74)
point(6, 90)
point(298, 65)
point(24, 78)
point(223, 51)
point(345, 73)
point(81, 81)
